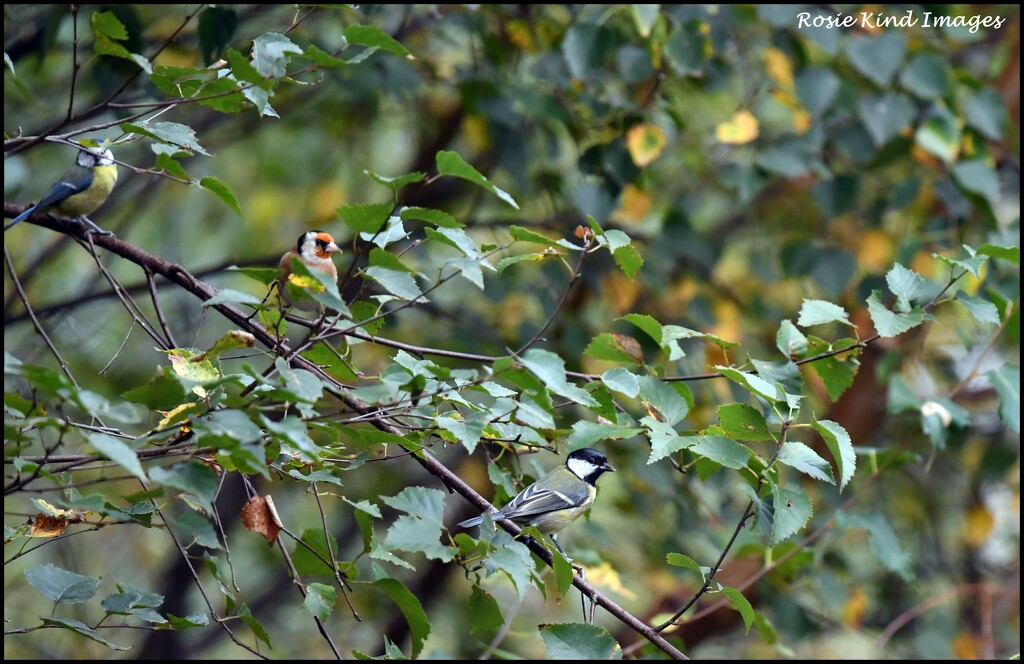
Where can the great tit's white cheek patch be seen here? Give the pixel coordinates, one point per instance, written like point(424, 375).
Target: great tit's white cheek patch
point(581, 468)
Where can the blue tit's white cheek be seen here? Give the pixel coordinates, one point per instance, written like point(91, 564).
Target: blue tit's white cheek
point(581, 468)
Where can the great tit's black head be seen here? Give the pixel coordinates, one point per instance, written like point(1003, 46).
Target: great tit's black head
point(588, 464)
point(316, 244)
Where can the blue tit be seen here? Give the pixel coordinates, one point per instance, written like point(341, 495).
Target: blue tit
point(79, 191)
point(557, 499)
point(314, 249)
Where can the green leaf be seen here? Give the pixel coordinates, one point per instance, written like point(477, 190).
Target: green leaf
point(217, 188)
point(663, 398)
point(884, 541)
point(171, 133)
point(415, 616)
point(802, 458)
point(877, 57)
point(450, 163)
point(645, 16)
point(976, 176)
point(790, 341)
point(192, 620)
point(622, 381)
point(365, 218)
point(752, 383)
point(817, 312)
point(485, 612)
point(607, 347)
point(742, 605)
point(886, 115)
point(119, 452)
point(629, 260)
point(721, 450)
point(245, 615)
point(456, 238)
point(397, 182)
point(80, 628)
point(307, 562)
point(890, 324)
point(399, 284)
point(374, 37)
point(839, 443)
point(60, 585)
point(817, 88)
point(586, 433)
point(468, 431)
point(986, 112)
point(216, 26)
point(982, 310)
point(270, 54)
point(972, 265)
point(438, 218)
point(837, 371)
point(550, 368)
point(228, 296)
point(521, 234)
point(792, 511)
point(562, 568)
point(579, 641)
point(680, 560)
point(512, 559)
point(245, 72)
point(743, 422)
point(906, 285)
point(664, 439)
point(172, 167)
point(1011, 254)
point(323, 58)
point(1006, 381)
point(107, 31)
point(927, 76)
point(191, 528)
point(193, 478)
point(319, 600)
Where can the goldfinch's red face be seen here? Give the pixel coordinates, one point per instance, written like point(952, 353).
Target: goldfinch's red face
point(316, 246)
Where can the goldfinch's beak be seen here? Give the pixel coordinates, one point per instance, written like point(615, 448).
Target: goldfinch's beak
point(607, 467)
point(332, 248)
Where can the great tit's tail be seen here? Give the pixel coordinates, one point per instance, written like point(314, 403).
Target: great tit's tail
point(21, 217)
point(477, 520)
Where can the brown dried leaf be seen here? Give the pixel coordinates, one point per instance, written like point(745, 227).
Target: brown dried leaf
point(259, 516)
point(630, 345)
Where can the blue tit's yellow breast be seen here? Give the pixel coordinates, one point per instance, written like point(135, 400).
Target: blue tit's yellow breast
point(90, 198)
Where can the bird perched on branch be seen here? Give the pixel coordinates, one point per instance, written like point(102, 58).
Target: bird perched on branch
point(314, 249)
point(557, 499)
point(81, 190)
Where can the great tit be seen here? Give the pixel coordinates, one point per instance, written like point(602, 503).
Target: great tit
point(81, 190)
point(557, 499)
point(314, 249)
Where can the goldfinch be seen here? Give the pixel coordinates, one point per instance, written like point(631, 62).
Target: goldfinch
point(314, 249)
point(82, 189)
point(557, 499)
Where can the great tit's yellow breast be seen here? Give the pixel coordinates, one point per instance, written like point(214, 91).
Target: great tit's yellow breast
point(87, 200)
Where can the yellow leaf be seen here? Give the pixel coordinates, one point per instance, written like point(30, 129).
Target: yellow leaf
point(521, 35)
point(645, 143)
point(875, 250)
point(802, 122)
point(778, 67)
point(855, 607)
point(619, 291)
point(605, 577)
point(967, 646)
point(741, 128)
point(169, 415)
point(309, 283)
point(977, 526)
point(634, 205)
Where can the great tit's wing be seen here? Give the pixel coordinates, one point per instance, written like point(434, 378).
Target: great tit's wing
point(535, 500)
point(77, 179)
